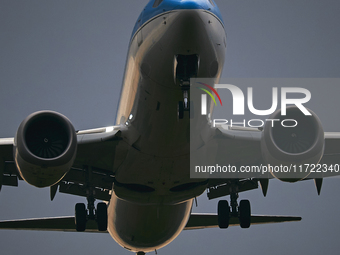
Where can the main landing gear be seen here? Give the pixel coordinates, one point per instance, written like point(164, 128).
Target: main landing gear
point(241, 211)
point(82, 215)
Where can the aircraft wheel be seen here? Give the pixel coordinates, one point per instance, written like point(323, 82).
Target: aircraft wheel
point(102, 216)
point(244, 214)
point(80, 217)
point(223, 211)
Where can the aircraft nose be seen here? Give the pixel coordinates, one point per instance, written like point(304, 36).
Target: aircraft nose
point(189, 4)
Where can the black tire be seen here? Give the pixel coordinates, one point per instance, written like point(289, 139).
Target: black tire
point(80, 217)
point(180, 110)
point(102, 216)
point(244, 214)
point(223, 213)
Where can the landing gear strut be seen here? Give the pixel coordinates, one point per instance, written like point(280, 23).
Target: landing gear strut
point(185, 104)
point(82, 215)
point(241, 211)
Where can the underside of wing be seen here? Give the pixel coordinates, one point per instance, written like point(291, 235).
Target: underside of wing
point(331, 154)
point(98, 153)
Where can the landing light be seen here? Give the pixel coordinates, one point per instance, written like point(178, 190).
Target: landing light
point(109, 129)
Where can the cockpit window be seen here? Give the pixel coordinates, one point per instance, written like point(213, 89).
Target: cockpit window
point(212, 2)
point(156, 3)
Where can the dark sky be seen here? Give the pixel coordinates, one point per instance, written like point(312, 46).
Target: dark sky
point(69, 56)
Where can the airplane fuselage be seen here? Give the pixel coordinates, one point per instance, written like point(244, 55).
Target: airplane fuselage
point(153, 193)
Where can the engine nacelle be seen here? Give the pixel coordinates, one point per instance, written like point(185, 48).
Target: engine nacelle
point(286, 149)
point(45, 147)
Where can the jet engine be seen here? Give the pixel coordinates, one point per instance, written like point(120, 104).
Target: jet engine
point(45, 147)
point(291, 141)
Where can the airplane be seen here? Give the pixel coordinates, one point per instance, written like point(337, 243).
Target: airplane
point(87, 167)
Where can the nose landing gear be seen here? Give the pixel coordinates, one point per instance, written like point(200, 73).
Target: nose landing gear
point(186, 67)
point(183, 105)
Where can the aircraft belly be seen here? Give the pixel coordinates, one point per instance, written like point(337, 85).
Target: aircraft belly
point(146, 179)
point(146, 227)
point(158, 157)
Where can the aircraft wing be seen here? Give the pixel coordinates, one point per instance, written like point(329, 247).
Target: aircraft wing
point(244, 145)
point(241, 144)
point(247, 140)
point(97, 148)
point(103, 150)
point(332, 148)
point(196, 221)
